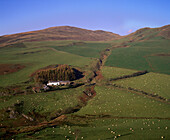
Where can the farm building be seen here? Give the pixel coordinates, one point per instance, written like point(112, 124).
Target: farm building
point(57, 83)
point(50, 83)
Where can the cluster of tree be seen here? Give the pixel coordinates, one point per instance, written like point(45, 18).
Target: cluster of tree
point(60, 73)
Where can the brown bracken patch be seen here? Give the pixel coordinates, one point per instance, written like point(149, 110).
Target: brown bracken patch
point(10, 68)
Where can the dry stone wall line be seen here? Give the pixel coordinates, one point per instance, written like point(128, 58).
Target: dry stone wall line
point(130, 76)
point(153, 95)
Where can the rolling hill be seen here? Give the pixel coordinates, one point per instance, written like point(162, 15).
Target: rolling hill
point(145, 49)
point(58, 33)
point(150, 33)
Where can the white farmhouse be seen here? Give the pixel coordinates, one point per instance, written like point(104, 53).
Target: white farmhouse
point(57, 83)
point(53, 83)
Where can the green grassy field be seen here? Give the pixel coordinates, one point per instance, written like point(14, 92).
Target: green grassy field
point(117, 104)
point(160, 64)
point(128, 115)
point(121, 103)
point(137, 56)
point(124, 129)
point(114, 72)
point(34, 59)
point(47, 102)
point(152, 82)
point(49, 43)
point(86, 50)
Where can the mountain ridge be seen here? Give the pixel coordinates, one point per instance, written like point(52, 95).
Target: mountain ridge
point(76, 33)
point(58, 33)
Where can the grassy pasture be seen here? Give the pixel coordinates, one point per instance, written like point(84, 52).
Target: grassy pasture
point(130, 58)
point(114, 72)
point(118, 102)
point(124, 129)
point(160, 63)
point(150, 82)
point(108, 100)
point(47, 102)
point(38, 44)
point(135, 56)
point(34, 59)
point(86, 50)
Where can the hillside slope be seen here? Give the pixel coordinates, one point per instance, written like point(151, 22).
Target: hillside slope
point(145, 49)
point(58, 33)
point(150, 33)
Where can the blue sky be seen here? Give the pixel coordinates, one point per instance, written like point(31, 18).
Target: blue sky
point(118, 16)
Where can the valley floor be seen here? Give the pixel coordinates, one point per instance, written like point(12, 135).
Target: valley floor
point(131, 107)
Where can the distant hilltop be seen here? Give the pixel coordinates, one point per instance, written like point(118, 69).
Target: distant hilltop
point(74, 33)
point(58, 33)
point(150, 33)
